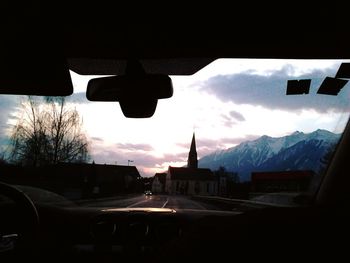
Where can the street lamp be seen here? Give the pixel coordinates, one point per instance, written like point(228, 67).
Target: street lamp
point(130, 161)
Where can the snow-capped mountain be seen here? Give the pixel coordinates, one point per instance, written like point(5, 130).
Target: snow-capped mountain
point(296, 151)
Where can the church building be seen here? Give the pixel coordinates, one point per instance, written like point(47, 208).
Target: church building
point(191, 180)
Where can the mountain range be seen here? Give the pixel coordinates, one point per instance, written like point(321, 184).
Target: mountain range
point(297, 151)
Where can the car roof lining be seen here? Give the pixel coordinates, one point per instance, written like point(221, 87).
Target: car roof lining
point(171, 66)
point(98, 43)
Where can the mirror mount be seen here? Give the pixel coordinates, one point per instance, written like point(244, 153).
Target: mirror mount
point(134, 68)
point(136, 91)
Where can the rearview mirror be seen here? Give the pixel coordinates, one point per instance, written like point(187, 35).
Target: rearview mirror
point(137, 94)
point(136, 91)
point(117, 88)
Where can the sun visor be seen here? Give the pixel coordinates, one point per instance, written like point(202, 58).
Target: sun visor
point(35, 72)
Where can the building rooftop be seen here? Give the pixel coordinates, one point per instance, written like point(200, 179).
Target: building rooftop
point(183, 173)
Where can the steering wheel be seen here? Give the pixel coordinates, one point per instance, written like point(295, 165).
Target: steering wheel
point(28, 218)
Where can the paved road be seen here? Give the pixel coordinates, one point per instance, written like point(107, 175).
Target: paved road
point(155, 201)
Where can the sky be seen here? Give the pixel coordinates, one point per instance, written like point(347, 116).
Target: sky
point(225, 103)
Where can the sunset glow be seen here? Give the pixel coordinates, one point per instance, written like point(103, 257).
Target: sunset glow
point(213, 104)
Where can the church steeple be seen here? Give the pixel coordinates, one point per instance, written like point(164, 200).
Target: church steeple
point(192, 161)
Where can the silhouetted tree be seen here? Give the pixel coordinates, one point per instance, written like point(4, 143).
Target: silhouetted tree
point(2, 159)
point(228, 181)
point(231, 176)
point(221, 171)
point(48, 132)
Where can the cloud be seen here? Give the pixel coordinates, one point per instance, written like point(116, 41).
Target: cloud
point(269, 91)
point(121, 155)
point(175, 157)
point(97, 139)
point(135, 147)
point(184, 145)
point(237, 116)
point(207, 146)
point(8, 106)
point(101, 155)
point(145, 162)
point(227, 121)
point(230, 120)
point(250, 137)
point(79, 97)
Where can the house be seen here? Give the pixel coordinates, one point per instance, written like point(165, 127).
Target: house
point(111, 180)
point(158, 184)
point(191, 180)
point(76, 180)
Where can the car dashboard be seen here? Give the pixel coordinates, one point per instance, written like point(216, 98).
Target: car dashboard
point(100, 234)
point(86, 232)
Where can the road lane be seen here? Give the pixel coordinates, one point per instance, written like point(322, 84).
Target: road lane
point(179, 202)
point(116, 202)
point(155, 201)
point(185, 202)
point(166, 202)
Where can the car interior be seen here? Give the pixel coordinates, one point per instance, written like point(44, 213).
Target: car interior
point(132, 62)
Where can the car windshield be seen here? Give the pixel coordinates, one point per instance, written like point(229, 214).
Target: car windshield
point(248, 131)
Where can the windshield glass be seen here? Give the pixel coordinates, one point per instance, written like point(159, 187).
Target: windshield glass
point(229, 132)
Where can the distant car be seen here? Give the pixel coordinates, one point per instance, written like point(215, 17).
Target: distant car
point(148, 192)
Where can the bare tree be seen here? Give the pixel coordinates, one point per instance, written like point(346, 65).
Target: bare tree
point(48, 132)
point(2, 159)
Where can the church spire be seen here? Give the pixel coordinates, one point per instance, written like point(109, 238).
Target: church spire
point(192, 161)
